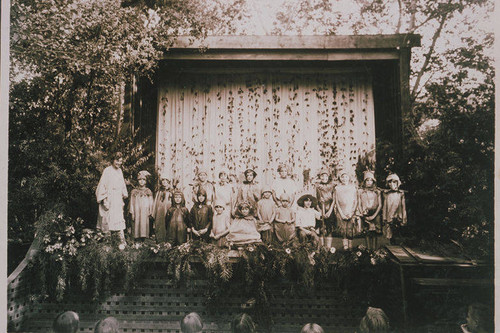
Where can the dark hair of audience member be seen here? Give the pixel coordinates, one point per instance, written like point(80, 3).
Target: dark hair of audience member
point(107, 325)
point(66, 322)
point(480, 318)
point(191, 323)
point(375, 320)
point(242, 323)
point(312, 328)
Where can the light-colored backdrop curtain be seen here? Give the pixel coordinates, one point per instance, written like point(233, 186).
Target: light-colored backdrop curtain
point(240, 120)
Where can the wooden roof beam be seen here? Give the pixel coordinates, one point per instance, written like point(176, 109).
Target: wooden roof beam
point(299, 42)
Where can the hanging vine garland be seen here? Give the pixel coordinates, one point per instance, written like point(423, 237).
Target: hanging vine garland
point(307, 121)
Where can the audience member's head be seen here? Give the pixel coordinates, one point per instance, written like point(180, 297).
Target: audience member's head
point(375, 320)
point(479, 318)
point(312, 328)
point(66, 322)
point(107, 325)
point(242, 323)
point(191, 323)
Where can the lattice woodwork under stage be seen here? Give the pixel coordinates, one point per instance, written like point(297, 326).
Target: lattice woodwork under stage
point(157, 306)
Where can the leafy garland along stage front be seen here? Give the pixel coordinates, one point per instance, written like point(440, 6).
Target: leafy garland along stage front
point(74, 260)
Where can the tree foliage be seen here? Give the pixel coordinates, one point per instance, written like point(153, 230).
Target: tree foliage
point(449, 178)
point(447, 167)
point(70, 60)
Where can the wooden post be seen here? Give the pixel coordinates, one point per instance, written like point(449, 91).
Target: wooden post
point(404, 97)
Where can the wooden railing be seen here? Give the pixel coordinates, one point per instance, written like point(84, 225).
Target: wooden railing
point(19, 290)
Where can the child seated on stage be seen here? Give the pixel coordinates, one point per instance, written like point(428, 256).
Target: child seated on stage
point(221, 224)
point(177, 219)
point(243, 228)
point(141, 206)
point(266, 211)
point(306, 219)
point(201, 217)
point(284, 222)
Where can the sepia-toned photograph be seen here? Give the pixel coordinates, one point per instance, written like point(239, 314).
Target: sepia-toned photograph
point(249, 166)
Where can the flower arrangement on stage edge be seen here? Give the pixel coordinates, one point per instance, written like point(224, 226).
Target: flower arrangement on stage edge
point(77, 261)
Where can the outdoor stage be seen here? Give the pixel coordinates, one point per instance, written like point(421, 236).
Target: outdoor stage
point(157, 303)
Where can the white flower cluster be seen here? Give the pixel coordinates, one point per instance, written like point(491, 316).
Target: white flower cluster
point(474, 230)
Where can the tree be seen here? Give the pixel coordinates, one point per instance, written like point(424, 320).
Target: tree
point(448, 170)
point(70, 60)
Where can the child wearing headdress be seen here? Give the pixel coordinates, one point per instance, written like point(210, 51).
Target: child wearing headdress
point(249, 191)
point(284, 184)
point(224, 191)
point(306, 219)
point(345, 201)
point(284, 222)
point(201, 217)
point(202, 182)
point(369, 206)
point(243, 228)
point(141, 206)
point(394, 207)
point(324, 194)
point(162, 202)
point(266, 211)
point(221, 224)
point(177, 219)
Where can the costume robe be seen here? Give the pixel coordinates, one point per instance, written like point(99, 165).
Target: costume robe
point(161, 205)
point(110, 193)
point(141, 208)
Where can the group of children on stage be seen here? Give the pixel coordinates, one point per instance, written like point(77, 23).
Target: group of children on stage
point(226, 214)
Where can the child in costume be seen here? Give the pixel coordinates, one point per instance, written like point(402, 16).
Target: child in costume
point(249, 191)
point(284, 222)
point(202, 182)
point(394, 207)
point(224, 192)
point(141, 206)
point(345, 201)
point(177, 219)
point(266, 211)
point(163, 201)
point(284, 184)
point(243, 228)
point(306, 219)
point(369, 206)
point(201, 217)
point(221, 224)
point(324, 195)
